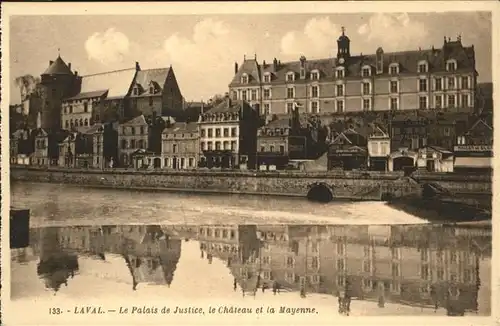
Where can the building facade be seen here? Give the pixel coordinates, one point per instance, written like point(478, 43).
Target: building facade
point(228, 135)
point(180, 146)
point(379, 148)
point(132, 136)
point(437, 78)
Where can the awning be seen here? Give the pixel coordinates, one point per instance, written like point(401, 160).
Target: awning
point(473, 162)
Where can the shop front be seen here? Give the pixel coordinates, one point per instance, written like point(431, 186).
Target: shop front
point(222, 159)
point(272, 160)
point(435, 159)
point(143, 159)
point(347, 158)
point(473, 158)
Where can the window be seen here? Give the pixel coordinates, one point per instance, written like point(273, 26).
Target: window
point(424, 255)
point(440, 273)
point(290, 77)
point(217, 133)
point(367, 266)
point(233, 132)
point(451, 101)
point(142, 131)
point(366, 104)
point(226, 145)
point(315, 263)
point(424, 272)
point(226, 132)
point(266, 260)
point(366, 72)
point(439, 84)
point(203, 146)
point(271, 148)
point(340, 249)
point(395, 270)
point(394, 86)
point(314, 91)
point(254, 94)
point(341, 280)
point(447, 131)
point(367, 284)
point(86, 122)
point(140, 143)
point(282, 149)
point(314, 279)
point(66, 124)
point(217, 146)
point(394, 70)
point(289, 108)
point(394, 103)
point(136, 90)
point(451, 82)
point(267, 78)
point(150, 101)
point(340, 106)
point(124, 143)
point(340, 90)
point(290, 262)
point(366, 88)
point(267, 94)
point(267, 109)
point(422, 102)
point(262, 148)
point(396, 253)
point(70, 109)
point(422, 85)
point(340, 73)
point(151, 90)
point(132, 129)
point(439, 101)
point(244, 95)
point(132, 143)
point(314, 107)
point(203, 132)
point(85, 107)
point(210, 133)
point(465, 82)
point(341, 265)
point(465, 100)
point(244, 79)
point(451, 66)
point(314, 75)
point(302, 73)
point(422, 68)
point(233, 145)
point(290, 92)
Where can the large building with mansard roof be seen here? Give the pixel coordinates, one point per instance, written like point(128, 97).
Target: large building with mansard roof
point(437, 78)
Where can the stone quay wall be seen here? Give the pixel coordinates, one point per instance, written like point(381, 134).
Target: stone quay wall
point(346, 185)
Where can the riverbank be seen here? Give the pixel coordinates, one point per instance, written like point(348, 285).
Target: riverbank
point(348, 185)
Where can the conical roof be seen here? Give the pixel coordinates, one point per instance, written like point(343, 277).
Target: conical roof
point(58, 67)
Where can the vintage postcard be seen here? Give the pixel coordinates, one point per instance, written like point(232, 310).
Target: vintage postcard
point(255, 162)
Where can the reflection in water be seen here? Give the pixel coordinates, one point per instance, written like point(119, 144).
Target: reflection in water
point(431, 267)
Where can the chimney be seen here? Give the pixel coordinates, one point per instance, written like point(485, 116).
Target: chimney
point(227, 99)
point(50, 63)
point(137, 67)
point(275, 64)
point(76, 73)
point(69, 65)
point(202, 107)
point(235, 67)
point(39, 120)
point(264, 63)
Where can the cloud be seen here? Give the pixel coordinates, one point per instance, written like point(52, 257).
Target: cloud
point(393, 31)
point(206, 57)
point(317, 39)
point(108, 47)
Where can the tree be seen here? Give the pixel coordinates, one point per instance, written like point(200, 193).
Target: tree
point(27, 85)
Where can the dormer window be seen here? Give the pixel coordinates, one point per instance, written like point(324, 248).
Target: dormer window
point(340, 73)
point(244, 79)
point(290, 77)
point(394, 69)
point(136, 90)
point(314, 75)
point(267, 77)
point(366, 71)
point(451, 65)
point(151, 89)
point(422, 67)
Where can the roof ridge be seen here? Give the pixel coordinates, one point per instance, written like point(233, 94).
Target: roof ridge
point(165, 68)
point(107, 72)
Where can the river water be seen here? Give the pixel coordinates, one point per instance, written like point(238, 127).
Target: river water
point(54, 204)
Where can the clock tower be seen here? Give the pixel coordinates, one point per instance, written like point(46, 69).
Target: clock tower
point(343, 47)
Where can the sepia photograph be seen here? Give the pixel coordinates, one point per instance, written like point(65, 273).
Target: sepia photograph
point(233, 163)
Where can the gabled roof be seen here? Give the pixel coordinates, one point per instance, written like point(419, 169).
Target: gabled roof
point(139, 120)
point(58, 67)
point(117, 82)
point(156, 76)
point(87, 95)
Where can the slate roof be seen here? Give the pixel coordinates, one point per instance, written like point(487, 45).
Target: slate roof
point(118, 82)
point(58, 67)
point(87, 95)
point(182, 127)
point(139, 120)
point(279, 123)
point(145, 77)
point(223, 107)
point(407, 60)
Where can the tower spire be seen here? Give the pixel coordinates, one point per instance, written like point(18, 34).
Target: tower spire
point(343, 30)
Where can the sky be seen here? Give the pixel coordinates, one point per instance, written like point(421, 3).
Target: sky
point(202, 49)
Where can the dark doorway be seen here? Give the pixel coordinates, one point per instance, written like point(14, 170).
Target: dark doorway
point(174, 163)
point(400, 163)
point(157, 163)
point(431, 165)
